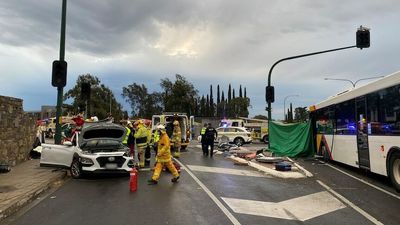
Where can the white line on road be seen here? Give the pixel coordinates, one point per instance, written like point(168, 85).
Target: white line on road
point(238, 172)
point(363, 181)
point(352, 205)
point(212, 196)
point(317, 204)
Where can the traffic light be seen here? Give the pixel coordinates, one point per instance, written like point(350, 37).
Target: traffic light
point(85, 90)
point(269, 94)
point(363, 38)
point(59, 74)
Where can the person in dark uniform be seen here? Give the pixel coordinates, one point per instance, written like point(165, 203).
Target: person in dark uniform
point(209, 136)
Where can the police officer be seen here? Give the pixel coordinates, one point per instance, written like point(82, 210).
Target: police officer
point(210, 135)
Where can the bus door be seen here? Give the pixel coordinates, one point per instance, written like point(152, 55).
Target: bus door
point(362, 133)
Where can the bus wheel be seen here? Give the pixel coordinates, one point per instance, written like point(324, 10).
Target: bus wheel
point(265, 139)
point(394, 170)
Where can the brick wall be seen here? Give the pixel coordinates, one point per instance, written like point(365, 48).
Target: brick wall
point(17, 131)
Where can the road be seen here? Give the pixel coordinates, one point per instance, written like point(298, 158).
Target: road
point(214, 191)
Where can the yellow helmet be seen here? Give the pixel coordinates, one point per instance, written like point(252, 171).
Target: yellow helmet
point(176, 123)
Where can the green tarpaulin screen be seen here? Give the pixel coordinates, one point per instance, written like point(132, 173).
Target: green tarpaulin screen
point(293, 140)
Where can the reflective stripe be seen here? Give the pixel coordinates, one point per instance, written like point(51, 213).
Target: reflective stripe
point(203, 131)
point(128, 132)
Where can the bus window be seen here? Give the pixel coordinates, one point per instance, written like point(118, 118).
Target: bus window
point(384, 111)
point(345, 118)
point(325, 121)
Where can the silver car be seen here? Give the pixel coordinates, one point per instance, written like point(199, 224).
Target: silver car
point(97, 148)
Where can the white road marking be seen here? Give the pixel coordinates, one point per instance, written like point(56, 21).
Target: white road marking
point(363, 181)
point(225, 171)
point(343, 199)
point(212, 196)
point(301, 208)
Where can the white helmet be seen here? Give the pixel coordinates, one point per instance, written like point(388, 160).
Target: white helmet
point(161, 127)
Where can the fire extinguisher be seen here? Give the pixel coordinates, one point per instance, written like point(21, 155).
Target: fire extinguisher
point(133, 180)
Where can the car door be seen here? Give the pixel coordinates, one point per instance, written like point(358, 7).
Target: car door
point(230, 132)
point(58, 155)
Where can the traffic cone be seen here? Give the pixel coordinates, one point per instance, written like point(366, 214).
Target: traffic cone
point(133, 180)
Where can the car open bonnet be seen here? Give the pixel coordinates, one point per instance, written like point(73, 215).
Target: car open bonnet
point(108, 131)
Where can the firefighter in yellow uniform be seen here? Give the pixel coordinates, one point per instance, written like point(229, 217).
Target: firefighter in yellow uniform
point(163, 158)
point(177, 139)
point(141, 135)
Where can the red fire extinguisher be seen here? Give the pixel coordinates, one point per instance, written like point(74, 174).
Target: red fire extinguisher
point(133, 180)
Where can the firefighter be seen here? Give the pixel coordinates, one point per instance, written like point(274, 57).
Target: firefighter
point(141, 135)
point(177, 139)
point(147, 154)
point(163, 157)
point(128, 133)
point(131, 139)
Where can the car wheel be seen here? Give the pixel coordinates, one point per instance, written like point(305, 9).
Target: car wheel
point(265, 139)
point(238, 141)
point(394, 170)
point(76, 169)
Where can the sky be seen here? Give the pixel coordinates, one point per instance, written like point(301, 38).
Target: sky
point(209, 42)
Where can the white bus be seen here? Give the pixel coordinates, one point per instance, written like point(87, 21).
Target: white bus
point(361, 127)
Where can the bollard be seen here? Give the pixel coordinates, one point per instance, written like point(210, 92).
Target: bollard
point(133, 180)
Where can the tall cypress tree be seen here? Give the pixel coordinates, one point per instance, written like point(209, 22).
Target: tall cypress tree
point(212, 109)
point(240, 92)
point(233, 94)
point(218, 97)
point(245, 93)
point(208, 106)
point(223, 103)
point(229, 93)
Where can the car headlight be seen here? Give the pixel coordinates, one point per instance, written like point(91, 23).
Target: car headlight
point(87, 153)
point(86, 161)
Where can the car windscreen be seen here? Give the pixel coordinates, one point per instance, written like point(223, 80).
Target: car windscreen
point(103, 133)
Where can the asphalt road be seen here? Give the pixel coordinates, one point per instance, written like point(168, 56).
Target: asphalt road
point(214, 191)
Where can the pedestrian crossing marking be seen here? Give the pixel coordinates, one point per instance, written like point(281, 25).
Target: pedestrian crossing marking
point(208, 169)
point(301, 208)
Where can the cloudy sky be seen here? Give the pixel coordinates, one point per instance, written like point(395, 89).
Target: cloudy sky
point(208, 42)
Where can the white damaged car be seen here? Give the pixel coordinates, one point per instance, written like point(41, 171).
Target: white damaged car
point(97, 148)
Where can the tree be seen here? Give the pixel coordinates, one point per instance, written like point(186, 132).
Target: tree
point(99, 102)
point(178, 96)
point(212, 108)
point(233, 93)
point(260, 117)
point(143, 104)
point(245, 93)
point(229, 93)
point(218, 96)
point(202, 106)
point(301, 114)
point(240, 92)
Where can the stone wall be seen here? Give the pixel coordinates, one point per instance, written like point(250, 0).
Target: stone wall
point(17, 131)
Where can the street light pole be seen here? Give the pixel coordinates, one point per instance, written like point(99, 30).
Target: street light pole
point(57, 137)
point(354, 82)
point(284, 104)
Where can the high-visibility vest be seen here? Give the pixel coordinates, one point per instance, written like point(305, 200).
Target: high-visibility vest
point(128, 132)
point(203, 131)
point(141, 137)
point(156, 137)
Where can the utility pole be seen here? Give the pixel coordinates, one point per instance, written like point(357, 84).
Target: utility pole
point(60, 88)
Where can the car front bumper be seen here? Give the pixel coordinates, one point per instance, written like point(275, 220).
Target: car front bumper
point(106, 163)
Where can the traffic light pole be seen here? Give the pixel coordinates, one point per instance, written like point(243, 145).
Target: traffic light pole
point(57, 137)
point(295, 57)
